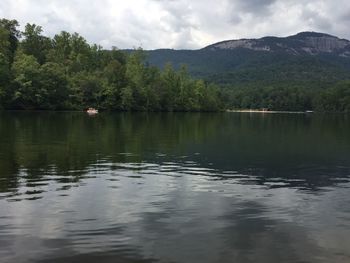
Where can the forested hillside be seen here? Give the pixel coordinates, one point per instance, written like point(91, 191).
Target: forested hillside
point(308, 58)
point(65, 72)
point(307, 71)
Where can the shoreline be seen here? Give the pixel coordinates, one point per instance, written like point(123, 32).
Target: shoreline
point(269, 112)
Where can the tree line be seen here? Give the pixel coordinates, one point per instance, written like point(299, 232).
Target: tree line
point(288, 97)
point(65, 72)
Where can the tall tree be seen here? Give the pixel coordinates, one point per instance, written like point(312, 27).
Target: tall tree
point(53, 85)
point(34, 43)
point(13, 35)
point(4, 64)
point(28, 94)
point(67, 73)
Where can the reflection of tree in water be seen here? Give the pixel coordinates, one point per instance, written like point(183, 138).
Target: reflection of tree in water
point(181, 223)
point(301, 151)
point(68, 144)
point(281, 150)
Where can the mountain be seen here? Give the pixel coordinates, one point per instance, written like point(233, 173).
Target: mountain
point(311, 43)
point(305, 59)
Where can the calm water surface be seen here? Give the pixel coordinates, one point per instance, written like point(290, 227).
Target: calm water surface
point(174, 188)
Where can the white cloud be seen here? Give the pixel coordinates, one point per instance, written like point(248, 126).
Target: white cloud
point(179, 23)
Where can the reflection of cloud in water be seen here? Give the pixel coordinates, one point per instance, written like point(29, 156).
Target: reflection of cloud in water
point(179, 218)
point(139, 189)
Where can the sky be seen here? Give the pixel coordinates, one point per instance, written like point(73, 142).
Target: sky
point(179, 24)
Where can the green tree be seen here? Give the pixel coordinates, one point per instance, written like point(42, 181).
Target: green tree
point(34, 43)
point(27, 93)
point(136, 74)
point(127, 99)
point(114, 75)
point(4, 79)
point(53, 85)
point(13, 34)
point(4, 64)
point(67, 73)
point(85, 90)
point(169, 88)
point(61, 48)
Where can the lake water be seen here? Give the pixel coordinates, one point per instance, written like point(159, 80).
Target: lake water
point(226, 187)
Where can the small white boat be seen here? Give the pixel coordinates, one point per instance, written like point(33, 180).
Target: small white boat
point(92, 111)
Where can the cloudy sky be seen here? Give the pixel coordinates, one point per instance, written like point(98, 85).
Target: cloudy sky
point(180, 24)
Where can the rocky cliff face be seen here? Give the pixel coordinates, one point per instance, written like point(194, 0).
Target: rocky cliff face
point(303, 43)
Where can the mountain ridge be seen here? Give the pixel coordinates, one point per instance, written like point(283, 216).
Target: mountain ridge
point(307, 42)
point(307, 57)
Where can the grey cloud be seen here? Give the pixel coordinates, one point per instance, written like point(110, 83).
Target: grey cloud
point(179, 23)
point(254, 7)
point(316, 20)
point(346, 16)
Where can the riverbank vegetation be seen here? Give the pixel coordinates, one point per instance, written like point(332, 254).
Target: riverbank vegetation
point(67, 73)
point(284, 97)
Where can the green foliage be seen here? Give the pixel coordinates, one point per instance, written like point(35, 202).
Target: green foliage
point(6, 57)
point(85, 90)
point(53, 85)
point(9, 28)
point(26, 70)
point(4, 69)
point(334, 99)
point(4, 78)
point(283, 98)
point(289, 98)
point(4, 43)
point(67, 73)
point(249, 67)
point(275, 80)
point(34, 43)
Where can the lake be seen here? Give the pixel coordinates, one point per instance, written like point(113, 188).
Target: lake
point(174, 187)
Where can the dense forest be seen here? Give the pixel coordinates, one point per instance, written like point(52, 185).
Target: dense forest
point(288, 97)
point(67, 73)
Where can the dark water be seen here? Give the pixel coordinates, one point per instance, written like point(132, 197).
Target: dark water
point(174, 188)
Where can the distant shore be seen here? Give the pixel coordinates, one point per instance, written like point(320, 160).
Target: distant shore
point(266, 111)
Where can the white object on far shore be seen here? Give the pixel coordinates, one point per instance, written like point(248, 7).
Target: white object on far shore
point(92, 111)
